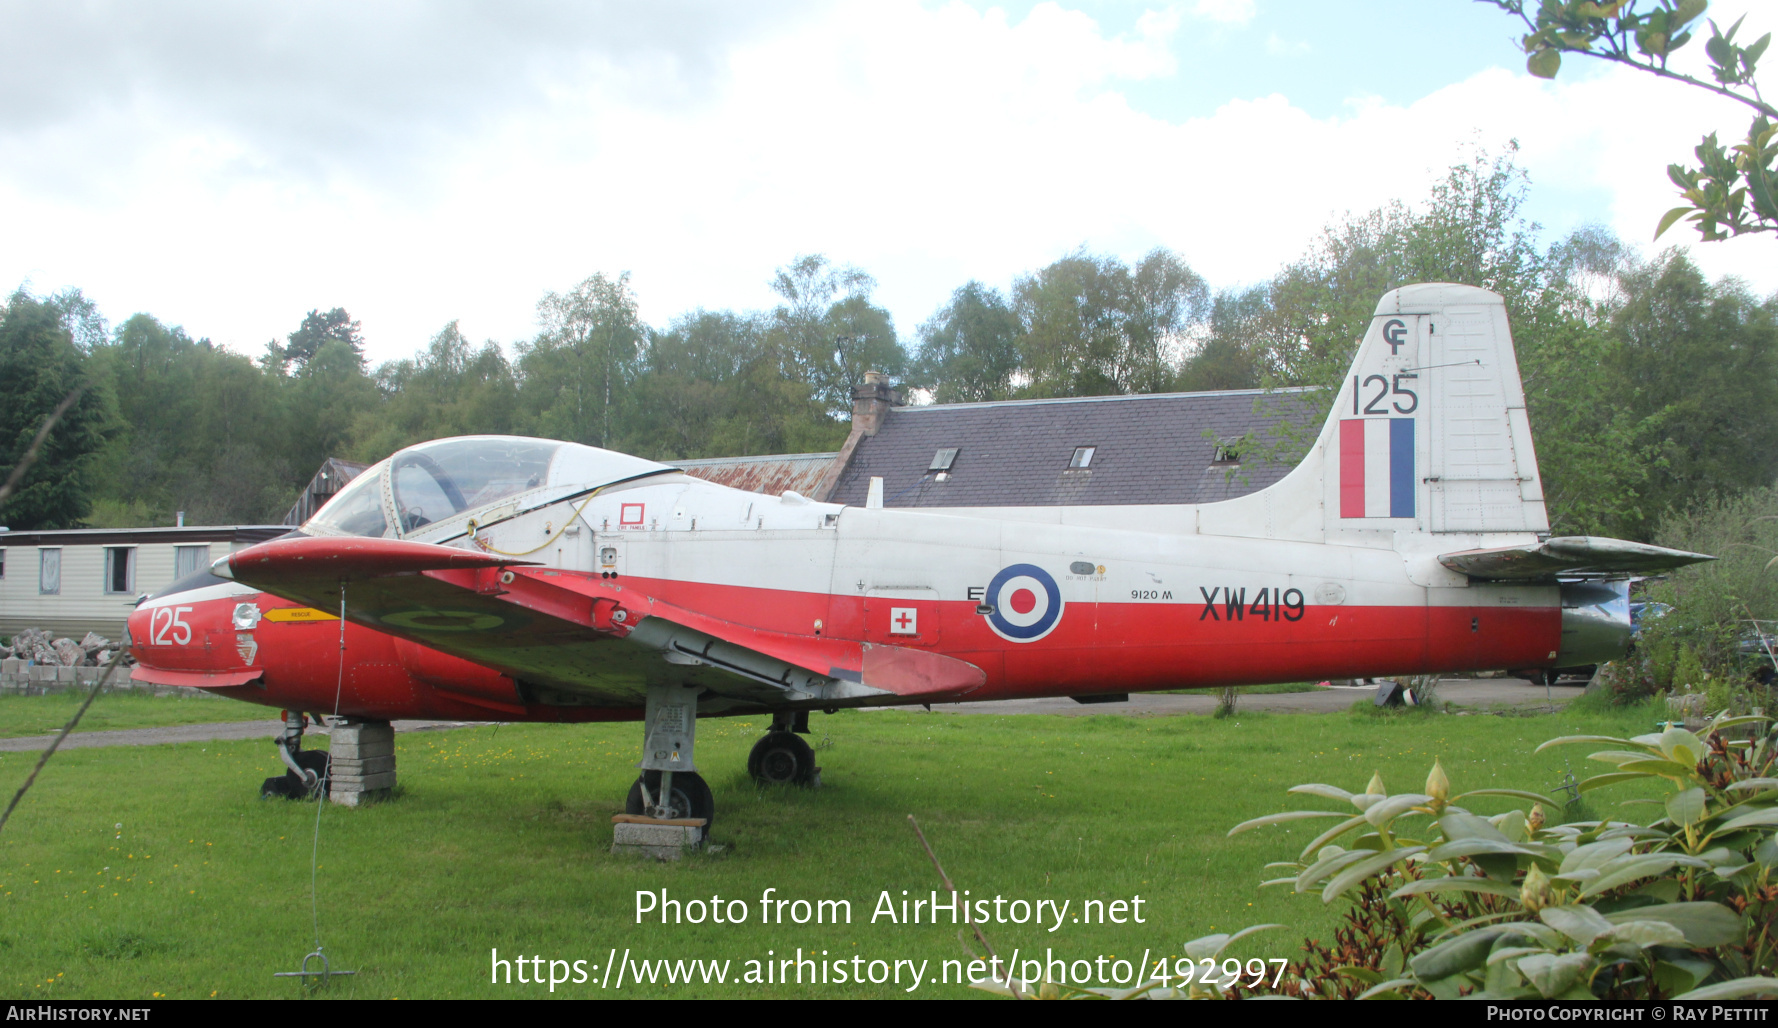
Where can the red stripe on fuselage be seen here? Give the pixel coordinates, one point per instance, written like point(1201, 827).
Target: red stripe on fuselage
point(1097, 648)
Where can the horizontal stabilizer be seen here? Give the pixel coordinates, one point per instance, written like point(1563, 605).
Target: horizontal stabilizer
point(1583, 556)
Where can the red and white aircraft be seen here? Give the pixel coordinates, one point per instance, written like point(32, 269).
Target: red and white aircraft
point(492, 577)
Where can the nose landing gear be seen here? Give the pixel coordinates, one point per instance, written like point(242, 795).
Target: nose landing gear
point(670, 788)
point(308, 775)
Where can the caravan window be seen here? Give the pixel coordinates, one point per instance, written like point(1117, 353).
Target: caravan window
point(49, 571)
point(189, 560)
point(120, 569)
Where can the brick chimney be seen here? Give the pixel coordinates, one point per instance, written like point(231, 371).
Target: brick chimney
point(871, 401)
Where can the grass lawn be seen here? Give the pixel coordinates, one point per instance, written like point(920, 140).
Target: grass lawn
point(142, 870)
point(43, 715)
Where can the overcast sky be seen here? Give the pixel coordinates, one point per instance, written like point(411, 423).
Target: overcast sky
point(229, 166)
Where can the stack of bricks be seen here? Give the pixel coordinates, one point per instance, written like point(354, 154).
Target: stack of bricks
point(363, 766)
point(20, 677)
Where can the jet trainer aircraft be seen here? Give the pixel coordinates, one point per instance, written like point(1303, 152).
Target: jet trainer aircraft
point(533, 580)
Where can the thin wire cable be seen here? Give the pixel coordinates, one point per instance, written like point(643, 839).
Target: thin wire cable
point(473, 527)
point(326, 783)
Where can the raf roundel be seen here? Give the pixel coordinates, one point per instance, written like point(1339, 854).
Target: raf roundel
point(1026, 603)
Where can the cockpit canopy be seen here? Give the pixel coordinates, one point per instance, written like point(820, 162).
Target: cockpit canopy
point(450, 478)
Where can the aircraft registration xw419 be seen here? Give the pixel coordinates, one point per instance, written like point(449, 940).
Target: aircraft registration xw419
point(526, 579)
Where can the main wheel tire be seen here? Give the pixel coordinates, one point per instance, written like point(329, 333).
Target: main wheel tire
point(781, 758)
point(691, 796)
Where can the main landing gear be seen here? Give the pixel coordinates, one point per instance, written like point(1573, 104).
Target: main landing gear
point(782, 757)
point(670, 787)
point(308, 774)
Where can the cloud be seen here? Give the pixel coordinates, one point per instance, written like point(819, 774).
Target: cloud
point(926, 144)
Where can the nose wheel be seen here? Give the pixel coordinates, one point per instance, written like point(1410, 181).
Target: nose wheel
point(309, 769)
point(687, 796)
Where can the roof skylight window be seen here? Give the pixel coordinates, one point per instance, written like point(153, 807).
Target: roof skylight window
point(1083, 456)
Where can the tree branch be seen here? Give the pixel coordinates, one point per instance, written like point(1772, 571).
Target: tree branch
point(30, 457)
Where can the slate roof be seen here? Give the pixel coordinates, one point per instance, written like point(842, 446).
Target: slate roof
point(772, 474)
point(1015, 453)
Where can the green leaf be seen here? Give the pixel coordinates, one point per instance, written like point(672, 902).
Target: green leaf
point(1688, 10)
point(1578, 921)
point(1569, 739)
point(1752, 783)
point(1594, 854)
point(1622, 756)
point(1460, 824)
point(1632, 868)
point(1535, 797)
point(1554, 975)
point(1764, 816)
point(1687, 807)
point(1389, 989)
point(1674, 978)
point(1454, 955)
point(1643, 934)
point(1380, 814)
point(1456, 883)
point(1472, 847)
point(1735, 989)
point(1331, 792)
point(1273, 819)
point(1209, 947)
point(1681, 746)
point(1544, 63)
point(1358, 872)
point(1611, 778)
point(1328, 865)
point(1663, 768)
point(1704, 924)
point(1670, 217)
point(1330, 835)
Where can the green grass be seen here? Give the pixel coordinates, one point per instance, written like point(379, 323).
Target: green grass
point(42, 715)
point(132, 871)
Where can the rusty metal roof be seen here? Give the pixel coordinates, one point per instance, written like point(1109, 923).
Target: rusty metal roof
point(330, 479)
point(772, 474)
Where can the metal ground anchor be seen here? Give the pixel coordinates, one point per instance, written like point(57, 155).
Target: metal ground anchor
point(305, 974)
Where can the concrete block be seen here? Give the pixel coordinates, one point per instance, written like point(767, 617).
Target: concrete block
point(361, 732)
point(367, 766)
point(91, 675)
point(349, 798)
point(659, 841)
point(11, 665)
point(364, 783)
point(359, 751)
point(66, 675)
point(41, 673)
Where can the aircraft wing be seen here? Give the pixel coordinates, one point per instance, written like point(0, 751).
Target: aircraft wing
point(572, 639)
point(1581, 556)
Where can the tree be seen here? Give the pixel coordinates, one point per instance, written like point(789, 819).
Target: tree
point(969, 349)
point(1731, 191)
point(575, 373)
point(39, 368)
point(450, 388)
point(316, 331)
point(831, 329)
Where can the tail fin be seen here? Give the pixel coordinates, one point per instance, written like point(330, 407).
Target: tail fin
point(1428, 433)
